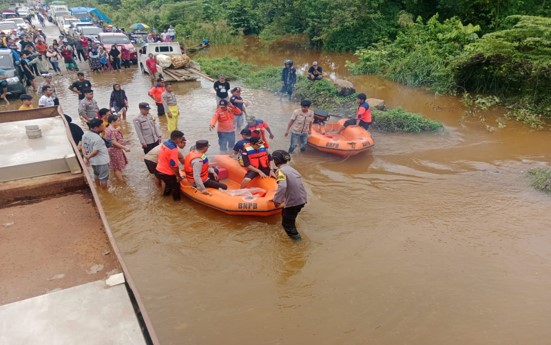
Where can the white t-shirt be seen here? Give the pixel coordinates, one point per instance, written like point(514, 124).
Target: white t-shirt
point(46, 101)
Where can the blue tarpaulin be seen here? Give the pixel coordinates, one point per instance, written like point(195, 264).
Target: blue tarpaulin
point(91, 10)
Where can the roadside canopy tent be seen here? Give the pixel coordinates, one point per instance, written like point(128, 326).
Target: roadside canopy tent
point(91, 10)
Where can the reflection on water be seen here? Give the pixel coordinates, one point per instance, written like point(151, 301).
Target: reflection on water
point(427, 239)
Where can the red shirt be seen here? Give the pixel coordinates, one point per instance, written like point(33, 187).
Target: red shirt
point(41, 48)
point(84, 42)
point(151, 65)
point(67, 55)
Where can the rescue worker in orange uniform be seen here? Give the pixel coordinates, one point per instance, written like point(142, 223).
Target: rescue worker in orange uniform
point(156, 93)
point(257, 160)
point(258, 128)
point(197, 169)
point(226, 131)
point(167, 169)
point(363, 115)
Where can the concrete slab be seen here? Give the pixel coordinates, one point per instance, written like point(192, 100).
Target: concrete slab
point(87, 314)
point(23, 157)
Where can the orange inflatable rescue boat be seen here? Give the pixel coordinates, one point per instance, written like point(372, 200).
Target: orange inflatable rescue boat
point(351, 141)
point(255, 200)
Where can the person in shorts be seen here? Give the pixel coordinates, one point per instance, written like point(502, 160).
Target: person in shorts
point(94, 152)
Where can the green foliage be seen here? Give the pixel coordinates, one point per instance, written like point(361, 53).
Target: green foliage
point(512, 64)
point(266, 78)
point(242, 17)
point(421, 55)
point(230, 67)
point(319, 92)
point(540, 178)
point(399, 120)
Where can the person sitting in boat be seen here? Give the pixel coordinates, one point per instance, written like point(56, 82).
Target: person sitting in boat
point(315, 72)
point(257, 160)
point(168, 169)
point(197, 169)
point(239, 147)
point(258, 128)
point(320, 118)
point(363, 115)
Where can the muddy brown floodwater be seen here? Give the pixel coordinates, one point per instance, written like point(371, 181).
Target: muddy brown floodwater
point(428, 239)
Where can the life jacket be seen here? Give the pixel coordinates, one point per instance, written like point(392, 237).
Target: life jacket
point(188, 168)
point(365, 116)
point(257, 158)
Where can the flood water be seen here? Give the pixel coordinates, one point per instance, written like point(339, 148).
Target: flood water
point(427, 239)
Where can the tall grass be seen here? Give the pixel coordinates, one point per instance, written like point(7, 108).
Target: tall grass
point(540, 179)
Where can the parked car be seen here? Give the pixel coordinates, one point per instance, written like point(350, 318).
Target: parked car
point(15, 85)
point(59, 15)
point(74, 30)
point(20, 22)
point(91, 32)
point(170, 49)
point(65, 23)
point(55, 10)
point(23, 11)
point(8, 14)
point(107, 39)
point(6, 26)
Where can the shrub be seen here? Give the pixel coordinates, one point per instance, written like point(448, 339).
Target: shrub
point(399, 120)
point(540, 179)
point(421, 55)
point(232, 68)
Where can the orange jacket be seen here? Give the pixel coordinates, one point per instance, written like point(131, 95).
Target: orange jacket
point(224, 118)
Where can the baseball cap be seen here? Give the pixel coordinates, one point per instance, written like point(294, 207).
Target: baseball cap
point(245, 131)
point(251, 119)
point(223, 102)
point(144, 105)
point(199, 144)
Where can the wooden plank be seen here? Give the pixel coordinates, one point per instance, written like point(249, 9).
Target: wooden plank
point(199, 73)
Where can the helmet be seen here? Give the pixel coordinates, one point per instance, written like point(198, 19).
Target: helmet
point(281, 157)
point(288, 62)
